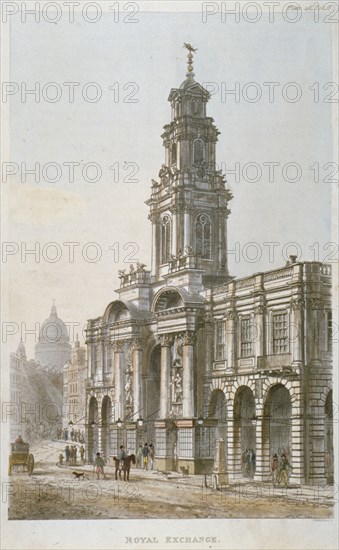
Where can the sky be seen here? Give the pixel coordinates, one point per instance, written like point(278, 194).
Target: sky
point(141, 62)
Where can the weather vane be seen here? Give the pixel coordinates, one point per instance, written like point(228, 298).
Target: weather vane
point(190, 49)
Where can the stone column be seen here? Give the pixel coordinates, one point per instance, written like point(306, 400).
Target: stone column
point(118, 346)
point(187, 226)
point(90, 367)
point(230, 339)
point(296, 331)
point(260, 473)
point(153, 216)
point(137, 368)
point(258, 333)
point(188, 375)
point(230, 440)
point(165, 362)
point(317, 307)
point(174, 245)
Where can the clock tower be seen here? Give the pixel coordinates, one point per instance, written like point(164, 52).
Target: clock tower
point(189, 202)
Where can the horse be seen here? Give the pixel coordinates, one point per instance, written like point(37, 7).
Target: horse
point(126, 466)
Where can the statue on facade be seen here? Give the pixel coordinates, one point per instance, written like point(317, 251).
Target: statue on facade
point(141, 267)
point(164, 174)
point(176, 384)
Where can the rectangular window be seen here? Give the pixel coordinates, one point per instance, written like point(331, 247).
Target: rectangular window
point(280, 333)
point(160, 442)
point(205, 442)
point(220, 340)
point(114, 442)
point(246, 335)
point(185, 443)
point(131, 441)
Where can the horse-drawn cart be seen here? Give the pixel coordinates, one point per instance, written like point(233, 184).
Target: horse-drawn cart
point(20, 456)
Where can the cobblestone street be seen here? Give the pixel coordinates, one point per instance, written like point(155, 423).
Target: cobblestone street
point(53, 493)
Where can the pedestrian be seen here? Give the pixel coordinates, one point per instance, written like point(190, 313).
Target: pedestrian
point(252, 462)
point(274, 467)
point(61, 459)
point(284, 469)
point(75, 454)
point(67, 454)
point(100, 463)
point(145, 456)
point(151, 456)
point(82, 454)
point(139, 457)
point(71, 454)
point(66, 434)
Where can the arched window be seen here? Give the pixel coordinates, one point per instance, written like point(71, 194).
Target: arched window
point(203, 236)
point(173, 154)
point(165, 239)
point(198, 151)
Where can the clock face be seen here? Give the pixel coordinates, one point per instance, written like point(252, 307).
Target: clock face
point(196, 106)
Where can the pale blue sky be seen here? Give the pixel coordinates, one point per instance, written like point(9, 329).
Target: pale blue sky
point(150, 54)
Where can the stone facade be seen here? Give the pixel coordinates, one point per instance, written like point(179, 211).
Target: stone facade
point(74, 388)
point(200, 355)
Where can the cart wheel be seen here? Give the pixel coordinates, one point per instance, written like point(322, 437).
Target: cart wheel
point(30, 464)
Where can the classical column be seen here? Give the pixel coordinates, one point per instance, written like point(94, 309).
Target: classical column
point(259, 463)
point(174, 246)
point(136, 347)
point(188, 375)
point(118, 346)
point(90, 368)
point(317, 307)
point(296, 331)
point(153, 216)
point(187, 226)
point(230, 338)
point(258, 332)
point(165, 362)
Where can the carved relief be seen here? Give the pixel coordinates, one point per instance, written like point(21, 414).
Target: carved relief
point(316, 303)
point(118, 346)
point(188, 338)
point(297, 303)
point(231, 315)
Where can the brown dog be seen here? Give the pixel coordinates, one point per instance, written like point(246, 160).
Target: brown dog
point(80, 475)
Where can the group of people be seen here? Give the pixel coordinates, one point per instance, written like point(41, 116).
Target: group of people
point(248, 463)
point(74, 435)
point(71, 455)
point(145, 457)
point(280, 468)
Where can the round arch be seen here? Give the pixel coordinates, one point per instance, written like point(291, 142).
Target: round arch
point(277, 423)
point(218, 411)
point(244, 432)
point(328, 427)
point(93, 418)
point(106, 418)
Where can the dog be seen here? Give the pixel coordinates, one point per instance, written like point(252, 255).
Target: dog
point(185, 471)
point(80, 475)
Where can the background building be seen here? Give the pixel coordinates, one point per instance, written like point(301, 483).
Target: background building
point(36, 385)
point(200, 355)
point(74, 388)
point(53, 348)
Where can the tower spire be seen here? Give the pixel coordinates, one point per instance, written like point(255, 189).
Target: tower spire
point(190, 49)
point(53, 309)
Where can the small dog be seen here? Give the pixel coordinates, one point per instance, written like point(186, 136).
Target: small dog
point(185, 471)
point(80, 475)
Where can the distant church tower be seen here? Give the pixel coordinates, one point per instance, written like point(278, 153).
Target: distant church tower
point(53, 349)
point(189, 205)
